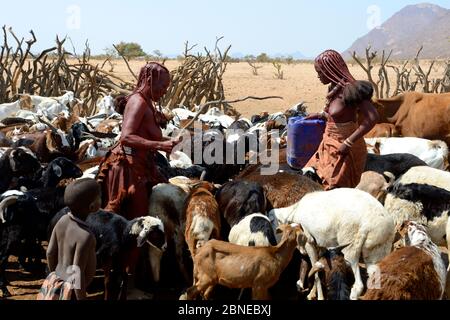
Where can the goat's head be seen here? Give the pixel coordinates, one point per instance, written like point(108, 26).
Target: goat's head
point(22, 162)
point(150, 230)
point(410, 233)
point(64, 168)
point(292, 232)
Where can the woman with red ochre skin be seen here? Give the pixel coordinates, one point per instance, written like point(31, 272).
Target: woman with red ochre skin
point(341, 157)
point(128, 172)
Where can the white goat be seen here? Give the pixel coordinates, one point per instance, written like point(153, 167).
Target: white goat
point(339, 217)
point(9, 109)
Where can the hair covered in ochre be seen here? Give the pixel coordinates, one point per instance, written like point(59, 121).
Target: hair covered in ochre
point(333, 67)
point(149, 73)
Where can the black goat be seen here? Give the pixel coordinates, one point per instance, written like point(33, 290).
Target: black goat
point(48, 177)
point(116, 238)
point(238, 199)
point(15, 163)
point(397, 163)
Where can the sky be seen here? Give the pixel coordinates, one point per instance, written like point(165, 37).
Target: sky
point(249, 26)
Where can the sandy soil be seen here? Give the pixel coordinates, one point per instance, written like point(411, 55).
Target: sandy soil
point(300, 83)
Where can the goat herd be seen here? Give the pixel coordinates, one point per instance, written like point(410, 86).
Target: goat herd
point(224, 225)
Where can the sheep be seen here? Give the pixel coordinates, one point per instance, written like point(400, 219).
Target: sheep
point(415, 272)
point(434, 153)
point(116, 237)
point(202, 216)
point(338, 217)
point(422, 194)
point(375, 184)
point(254, 230)
point(424, 203)
point(235, 266)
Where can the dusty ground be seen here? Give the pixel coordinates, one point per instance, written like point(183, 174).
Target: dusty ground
point(300, 83)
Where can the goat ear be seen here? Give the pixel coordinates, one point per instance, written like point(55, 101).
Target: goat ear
point(140, 241)
point(57, 170)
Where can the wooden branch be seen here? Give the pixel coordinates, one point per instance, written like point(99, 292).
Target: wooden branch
point(126, 62)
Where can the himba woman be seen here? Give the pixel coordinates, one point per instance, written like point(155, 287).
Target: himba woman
point(341, 157)
point(128, 172)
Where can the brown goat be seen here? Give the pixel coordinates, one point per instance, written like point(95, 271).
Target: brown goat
point(202, 216)
point(284, 189)
point(415, 272)
point(240, 267)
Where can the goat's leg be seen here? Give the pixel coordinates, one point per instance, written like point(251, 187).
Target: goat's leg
point(208, 292)
point(353, 254)
point(191, 293)
point(302, 275)
point(358, 287)
point(107, 280)
point(313, 256)
point(4, 255)
point(179, 246)
point(260, 293)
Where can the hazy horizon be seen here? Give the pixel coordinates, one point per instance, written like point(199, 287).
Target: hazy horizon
point(275, 27)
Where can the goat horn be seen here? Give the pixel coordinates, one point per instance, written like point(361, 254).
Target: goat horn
point(89, 135)
point(316, 268)
point(4, 204)
point(202, 177)
point(47, 122)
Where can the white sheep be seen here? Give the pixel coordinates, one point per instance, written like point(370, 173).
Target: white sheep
point(339, 217)
point(414, 193)
point(254, 230)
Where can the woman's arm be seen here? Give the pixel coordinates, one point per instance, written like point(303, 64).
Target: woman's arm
point(134, 113)
point(371, 118)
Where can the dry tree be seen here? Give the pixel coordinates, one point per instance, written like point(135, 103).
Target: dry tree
point(279, 74)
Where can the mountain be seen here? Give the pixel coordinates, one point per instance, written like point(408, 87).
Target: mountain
point(413, 26)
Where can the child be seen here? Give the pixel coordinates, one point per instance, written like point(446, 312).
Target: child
point(71, 250)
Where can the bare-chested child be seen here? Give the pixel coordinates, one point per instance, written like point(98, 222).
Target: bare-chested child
point(71, 250)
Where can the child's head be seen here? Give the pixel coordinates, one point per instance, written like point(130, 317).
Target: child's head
point(83, 197)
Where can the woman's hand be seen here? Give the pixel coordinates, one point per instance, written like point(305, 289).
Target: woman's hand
point(316, 115)
point(167, 145)
point(344, 150)
point(313, 116)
